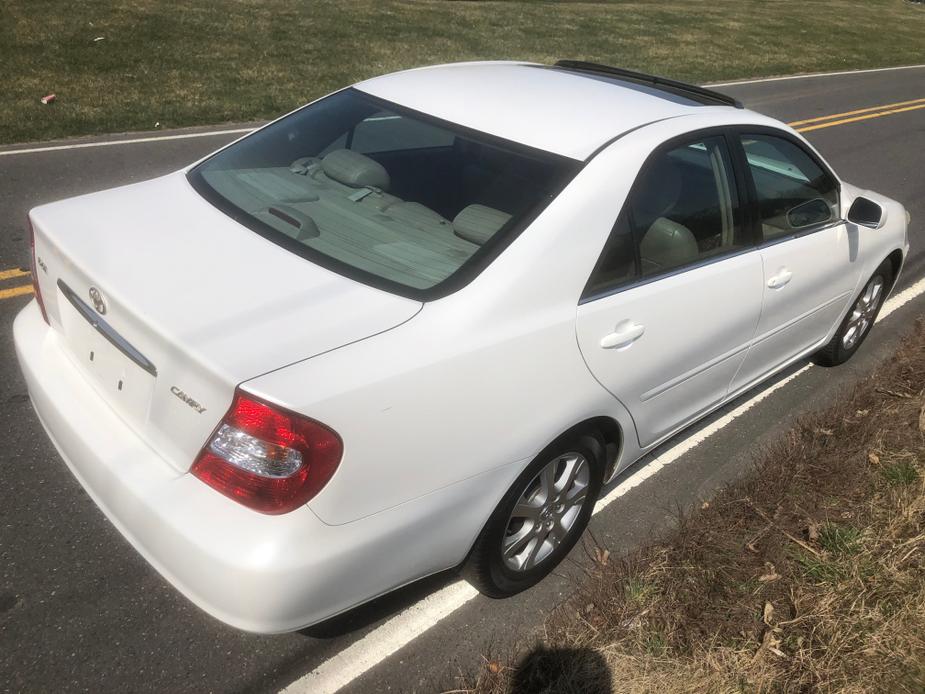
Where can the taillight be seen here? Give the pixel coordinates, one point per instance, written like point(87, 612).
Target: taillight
point(268, 458)
point(35, 274)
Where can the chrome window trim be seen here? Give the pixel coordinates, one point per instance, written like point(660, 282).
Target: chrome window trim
point(648, 279)
point(801, 233)
point(106, 330)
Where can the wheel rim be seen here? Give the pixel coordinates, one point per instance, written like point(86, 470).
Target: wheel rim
point(546, 512)
point(863, 313)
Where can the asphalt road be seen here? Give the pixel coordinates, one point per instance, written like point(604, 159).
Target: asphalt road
point(80, 610)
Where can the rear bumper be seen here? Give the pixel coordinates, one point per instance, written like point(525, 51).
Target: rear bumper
point(255, 572)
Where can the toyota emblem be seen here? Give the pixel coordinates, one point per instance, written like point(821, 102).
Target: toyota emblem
point(98, 302)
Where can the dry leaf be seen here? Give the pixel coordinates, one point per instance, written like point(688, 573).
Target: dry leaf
point(825, 432)
point(873, 458)
point(768, 614)
point(922, 419)
point(706, 504)
point(812, 531)
point(634, 622)
point(771, 574)
point(862, 413)
point(601, 556)
point(750, 546)
point(494, 667)
point(771, 643)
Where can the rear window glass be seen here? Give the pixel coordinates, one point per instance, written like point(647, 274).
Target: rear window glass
point(379, 193)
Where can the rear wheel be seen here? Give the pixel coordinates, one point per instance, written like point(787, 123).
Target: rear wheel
point(540, 518)
point(859, 320)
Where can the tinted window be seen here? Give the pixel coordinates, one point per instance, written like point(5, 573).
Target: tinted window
point(617, 263)
point(380, 193)
point(794, 192)
point(684, 208)
point(388, 132)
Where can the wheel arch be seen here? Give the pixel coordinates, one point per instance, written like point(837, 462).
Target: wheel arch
point(896, 262)
point(609, 430)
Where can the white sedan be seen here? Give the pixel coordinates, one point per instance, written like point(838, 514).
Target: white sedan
point(419, 323)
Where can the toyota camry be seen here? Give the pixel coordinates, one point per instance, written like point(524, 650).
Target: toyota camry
point(420, 323)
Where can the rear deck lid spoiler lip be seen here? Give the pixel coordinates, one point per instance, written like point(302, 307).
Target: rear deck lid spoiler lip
point(106, 330)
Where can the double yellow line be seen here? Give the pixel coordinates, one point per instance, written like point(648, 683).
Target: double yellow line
point(19, 290)
point(805, 126)
point(802, 126)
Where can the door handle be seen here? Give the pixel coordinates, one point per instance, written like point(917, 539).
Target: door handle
point(780, 279)
point(626, 333)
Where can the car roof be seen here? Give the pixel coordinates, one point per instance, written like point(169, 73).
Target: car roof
point(565, 111)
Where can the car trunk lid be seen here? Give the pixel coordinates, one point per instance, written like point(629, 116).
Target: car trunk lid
point(166, 304)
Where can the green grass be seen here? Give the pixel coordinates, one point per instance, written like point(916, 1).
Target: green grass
point(637, 591)
point(903, 472)
point(840, 540)
point(185, 63)
point(819, 570)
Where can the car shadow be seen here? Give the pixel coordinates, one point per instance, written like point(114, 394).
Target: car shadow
point(379, 608)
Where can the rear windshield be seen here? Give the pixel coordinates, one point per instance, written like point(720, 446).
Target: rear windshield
point(382, 194)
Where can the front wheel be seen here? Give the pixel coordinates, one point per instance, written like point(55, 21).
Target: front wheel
point(860, 319)
point(539, 520)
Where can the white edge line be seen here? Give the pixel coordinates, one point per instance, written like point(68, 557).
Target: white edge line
point(133, 141)
point(385, 640)
point(812, 74)
point(238, 131)
point(363, 655)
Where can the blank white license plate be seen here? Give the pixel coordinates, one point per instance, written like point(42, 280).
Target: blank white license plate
point(123, 383)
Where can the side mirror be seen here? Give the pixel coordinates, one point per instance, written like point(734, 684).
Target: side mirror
point(867, 213)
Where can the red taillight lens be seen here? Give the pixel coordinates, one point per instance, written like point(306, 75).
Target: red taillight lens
point(35, 274)
point(268, 458)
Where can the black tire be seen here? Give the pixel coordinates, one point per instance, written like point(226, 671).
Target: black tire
point(837, 351)
point(485, 567)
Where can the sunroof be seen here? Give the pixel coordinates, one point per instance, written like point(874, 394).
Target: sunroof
point(660, 93)
point(661, 87)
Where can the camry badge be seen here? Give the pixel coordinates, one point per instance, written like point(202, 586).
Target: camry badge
point(187, 399)
point(98, 303)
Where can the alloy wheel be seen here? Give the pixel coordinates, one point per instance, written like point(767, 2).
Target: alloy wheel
point(546, 512)
point(863, 312)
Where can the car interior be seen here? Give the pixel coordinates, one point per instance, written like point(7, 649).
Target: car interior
point(683, 209)
point(413, 207)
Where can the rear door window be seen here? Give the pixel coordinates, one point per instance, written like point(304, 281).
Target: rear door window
point(684, 209)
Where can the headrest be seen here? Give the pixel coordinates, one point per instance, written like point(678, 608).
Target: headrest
point(478, 223)
point(355, 170)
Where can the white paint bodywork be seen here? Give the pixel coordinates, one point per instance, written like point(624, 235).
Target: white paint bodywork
point(512, 101)
point(441, 405)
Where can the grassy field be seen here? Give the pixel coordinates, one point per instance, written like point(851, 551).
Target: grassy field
point(808, 575)
point(184, 63)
